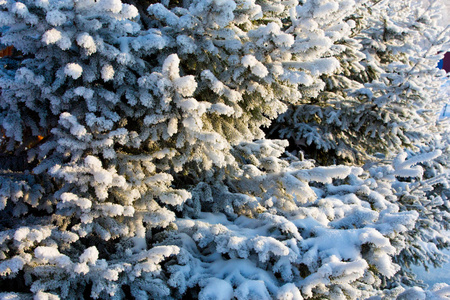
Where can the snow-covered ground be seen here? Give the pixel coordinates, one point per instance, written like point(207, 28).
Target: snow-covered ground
point(445, 20)
point(446, 15)
point(434, 275)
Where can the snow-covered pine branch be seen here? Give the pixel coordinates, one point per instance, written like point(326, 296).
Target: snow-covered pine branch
point(152, 176)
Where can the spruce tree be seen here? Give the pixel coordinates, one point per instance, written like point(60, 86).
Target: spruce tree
point(385, 95)
point(148, 174)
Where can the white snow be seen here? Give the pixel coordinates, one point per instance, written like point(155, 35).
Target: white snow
point(87, 42)
point(81, 268)
point(217, 289)
point(73, 70)
point(52, 255)
point(20, 9)
point(51, 36)
point(83, 203)
point(70, 122)
point(129, 11)
point(289, 292)
point(44, 296)
point(93, 162)
point(321, 66)
point(176, 132)
point(103, 177)
point(170, 67)
point(90, 255)
point(185, 85)
point(107, 72)
point(111, 275)
point(256, 67)
point(56, 17)
point(434, 275)
point(172, 126)
point(114, 6)
point(187, 44)
point(21, 233)
point(221, 109)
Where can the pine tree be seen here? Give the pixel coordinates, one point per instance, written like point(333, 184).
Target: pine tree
point(148, 174)
point(385, 95)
